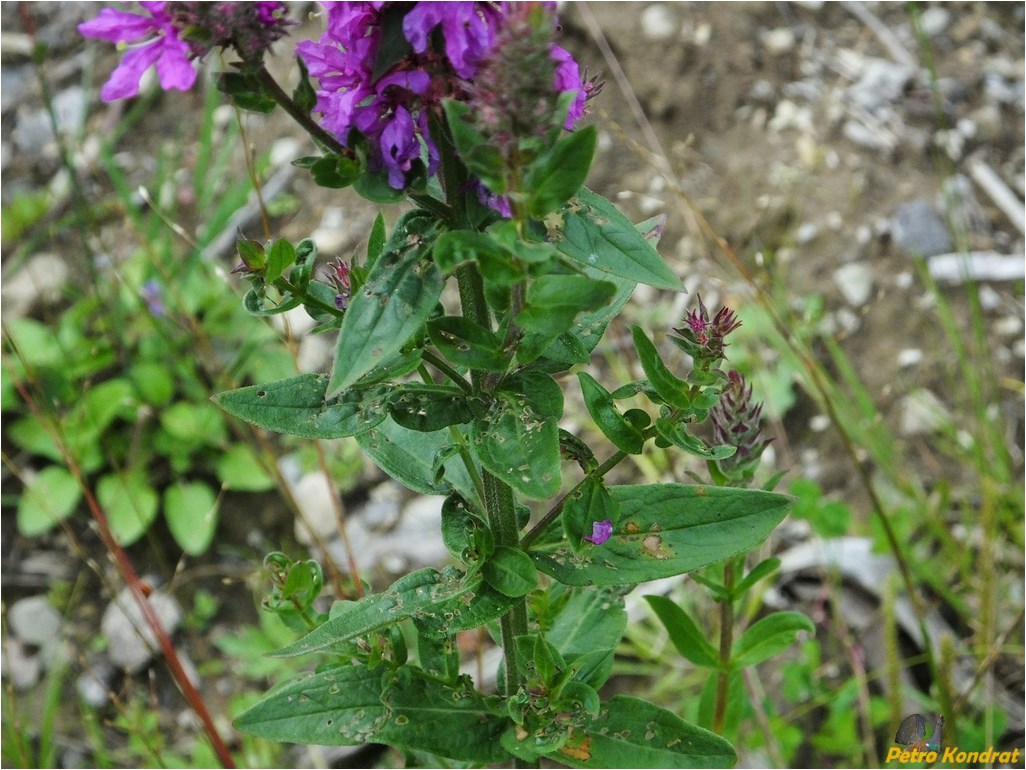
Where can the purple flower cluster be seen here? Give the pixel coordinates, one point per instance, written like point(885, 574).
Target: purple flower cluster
point(171, 34)
point(390, 102)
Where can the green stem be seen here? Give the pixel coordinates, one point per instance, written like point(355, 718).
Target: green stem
point(443, 366)
point(553, 513)
point(285, 285)
point(319, 134)
point(726, 643)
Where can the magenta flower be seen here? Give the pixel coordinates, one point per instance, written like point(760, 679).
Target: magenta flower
point(391, 108)
point(159, 45)
point(601, 531)
point(469, 30)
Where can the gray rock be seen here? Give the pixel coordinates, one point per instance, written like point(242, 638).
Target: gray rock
point(42, 279)
point(855, 280)
point(882, 82)
point(918, 230)
point(130, 641)
point(94, 684)
point(922, 413)
point(658, 22)
point(19, 666)
point(34, 621)
point(313, 495)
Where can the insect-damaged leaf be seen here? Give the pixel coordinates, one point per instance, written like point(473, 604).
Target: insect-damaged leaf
point(519, 445)
point(400, 293)
point(441, 603)
point(296, 406)
point(352, 705)
point(665, 530)
point(595, 234)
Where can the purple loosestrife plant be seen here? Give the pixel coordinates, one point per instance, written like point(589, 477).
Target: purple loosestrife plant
point(447, 105)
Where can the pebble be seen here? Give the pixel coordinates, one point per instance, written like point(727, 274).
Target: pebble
point(909, 357)
point(855, 280)
point(778, 41)
point(881, 82)
point(41, 280)
point(330, 235)
point(383, 506)
point(919, 231)
point(955, 268)
point(94, 684)
point(934, 20)
point(130, 641)
point(34, 620)
point(20, 666)
point(807, 233)
point(658, 22)
point(922, 413)
point(313, 495)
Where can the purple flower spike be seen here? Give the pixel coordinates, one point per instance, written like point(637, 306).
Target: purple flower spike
point(160, 46)
point(600, 532)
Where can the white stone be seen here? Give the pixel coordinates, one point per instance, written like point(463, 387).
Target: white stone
point(909, 357)
point(922, 413)
point(855, 280)
point(819, 423)
point(658, 22)
point(130, 641)
point(778, 41)
point(41, 279)
point(34, 621)
point(330, 235)
point(806, 233)
point(934, 20)
point(313, 495)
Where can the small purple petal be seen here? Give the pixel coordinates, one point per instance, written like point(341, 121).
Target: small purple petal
point(124, 80)
point(173, 65)
point(117, 26)
point(600, 532)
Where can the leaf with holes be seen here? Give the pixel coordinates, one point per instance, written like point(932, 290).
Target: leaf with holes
point(665, 530)
point(519, 446)
point(297, 406)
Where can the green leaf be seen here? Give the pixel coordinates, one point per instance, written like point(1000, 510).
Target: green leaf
point(464, 532)
point(466, 343)
point(596, 234)
point(129, 502)
point(676, 433)
point(672, 390)
point(769, 636)
point(153, 382)
point(376, 241)
point(591, 503)
point(353, 705)
point(50, 497)
point(557, 174)
point(685, 634)
point(280, 257)
point(428, 408)
point(296, 406)
point(665, 530)
point(336, 172)
point(246, 91)
point(633, 733)
point(481, 158)
point(441, 602)
point(304, 95)
point(605, 414)
point(194, 424)
point(410, 458)
point(592, 620)
point(400, 293)
point(519, 446)
point(589, 326)
point(191, 514)
point(763, 569)
point(510, 571)
point(239, 470)
point(553, 301)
